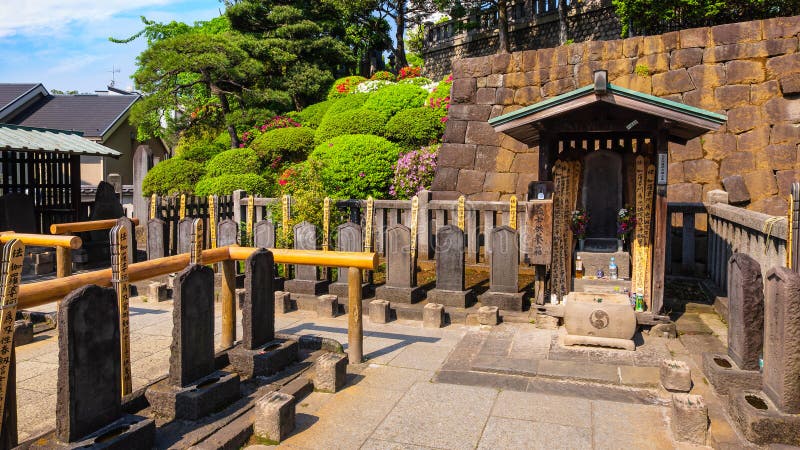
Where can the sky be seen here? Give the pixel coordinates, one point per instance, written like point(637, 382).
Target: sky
point(64, 44)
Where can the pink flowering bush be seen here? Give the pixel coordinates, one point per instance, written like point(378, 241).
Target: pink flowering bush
point(414, 172)
point(269, 125)
point(409, 72)
point(439, 99)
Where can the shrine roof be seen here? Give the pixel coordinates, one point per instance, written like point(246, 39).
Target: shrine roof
point(683, 122)
point(29, 139)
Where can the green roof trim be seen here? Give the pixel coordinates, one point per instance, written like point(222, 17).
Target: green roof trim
point(614, 89)
point(29, 139)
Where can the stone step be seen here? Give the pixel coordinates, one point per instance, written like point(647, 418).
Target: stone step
point(592, 261)
point(602, 285)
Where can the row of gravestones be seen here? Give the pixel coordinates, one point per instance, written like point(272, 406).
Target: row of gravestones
point(89, 408)
point(761, 370)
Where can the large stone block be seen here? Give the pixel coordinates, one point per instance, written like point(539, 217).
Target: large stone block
point(694, 37)
point(692, 150)
point(781, 156)
point(671, 82)
point(379, 311)
point(675, 173)
point(676, 376)
point(455, 131)
point(274, 416)
point(504, 96)
point(481, 133)
point(525, 163)
point(737, 189)
point(463, 90)
point(780, 109)
point(781, 335)
point(781, 66)
point(701, 171)
point(506, 62)
point(485, 96)
point(433, 315)
point(745, 311)
point(527, 95)
point(488, 315)
point(761, 184)
point(610, 317)
point(327, 306)
point(457, 155)
point(445, 179)
point(726, 378)
point(754, 140)
point(743, 118)
point(486, 157)
point(762, 92)
point(737, 163)
point(722, 53)
point(785, 133)
point(495, 80)
point(471, 67)
point(330, 372)
point(773, 206)
point(701, 98)
point(469, 112)
point(685, 58)
point(781, 27)
point(655, 63)
point(785, 178)
point(500, 182)
point(470, 181)
point(731, 96)
point(684, 192)
point(777, 47)
point(633, 47)
point(718, 145)
point(790, 84)
point(689, 418)
point(636, 83)
point(744, 72)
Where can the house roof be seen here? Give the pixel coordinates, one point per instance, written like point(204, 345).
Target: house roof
point(14, 95)
point(92, 115)
point(29, 139)
point(684, 122)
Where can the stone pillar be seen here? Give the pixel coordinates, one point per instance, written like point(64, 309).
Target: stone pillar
point(745, 311)
point(450, 269)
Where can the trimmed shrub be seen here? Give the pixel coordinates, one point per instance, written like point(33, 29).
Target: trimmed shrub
point(414, 172)
point(284, 144)
point(372, 86)
point(172, 176)
point(415, 126)
point(312, 115)
point(382, 75)
point(226, 184)
point(199, 152)
point(418, 81)
point(356, 121)
point(439, 99)
point(344, 86)
point(356, 165)
point(397, 97)
point(223, 141)
point(235, 161)
point(343, 104)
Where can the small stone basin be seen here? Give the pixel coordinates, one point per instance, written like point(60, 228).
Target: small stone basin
point(599, 314)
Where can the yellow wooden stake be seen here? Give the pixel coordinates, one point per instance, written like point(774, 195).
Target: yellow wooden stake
point(153, 200)
point(212, 220)
point(461, 218)
point(13, 255)
point(326, 223)
point(512, 212)
point(368, 224)
point(119, 270)
point(251, 217)
point(196, 253)
point(182, 210)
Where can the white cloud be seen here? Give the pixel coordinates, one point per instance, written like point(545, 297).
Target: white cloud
point(24, 17)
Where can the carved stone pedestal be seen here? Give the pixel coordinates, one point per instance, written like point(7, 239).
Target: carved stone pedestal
point(197, 400)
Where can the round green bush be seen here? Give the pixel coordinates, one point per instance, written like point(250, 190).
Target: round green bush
point(284, 144)
point(172, 176)
point(235, 161)
point(415, 126)
point(352, 101)
point(344, 86)
point(355, 121)
point(312, 115)
point(397, 97)
point(223, 141)
point(226, 184)
point(199, 152)
point(356, 165)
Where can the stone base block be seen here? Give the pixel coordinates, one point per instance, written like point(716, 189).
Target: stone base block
point(546, 322)
point(399, 294)
point(274, 416)
point(330, 371)
point(341, 290)
point(327, 306)
point(192, 402)
point(379, 311)
point(157, 291)
point(265, 361)
point(459, 299)
point(23, 332)
point(665, 330)
point(488, 315)
point(278, 283)
point(689, 418)
point(433, 315)
point(726, 378)
point(128, 432)
point(761, 422)
point(503, 300)
point(307, 287)
point(283, 303)
point(44, 268)
point(572, 339)
point(676, 376)
point(592, 261)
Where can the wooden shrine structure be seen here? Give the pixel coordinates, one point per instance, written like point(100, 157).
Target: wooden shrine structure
point(602, 148)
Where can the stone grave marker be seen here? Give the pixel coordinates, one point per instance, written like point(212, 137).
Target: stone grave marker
point(89, 383)
point(450, 269)
point(193, 388)
point(781, 376)
point(131, 229)
point(106, 206)
point(264, 234)
point(745, 311)
point(157, 239)
point(259, 353)
point(503, 270)
point(19, 213)
point(348, 239)
point(115, 180)
point(185, 229)
point(227, 233)
point(305, 279)
point(400, 278)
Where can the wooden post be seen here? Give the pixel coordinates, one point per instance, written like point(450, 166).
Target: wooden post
point(660, 231)
point(355, 330)
point(13, 254)
point(228, 294)
point(63, 262)
point(119, 270)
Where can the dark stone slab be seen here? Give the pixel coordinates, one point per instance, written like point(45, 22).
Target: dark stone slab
point(399, 294)
point(192, 350)
point(450, 258)
point(399, 267)
point(781, 374)
point(745, 311)
point(89, 383)
point(761, 422)
point(264, 234)
point(129, 432)
point(267, 360)
point(503, 300)
point(305, 238)
point(460, 299)
point(341, 290)
point(722, 373)
point(23, 332)
point(106, 206)
point(157, 239)
point(227, 233)
point(18, 213)
point(602, 192)
point(185, 230)
point(194, 400)
point(503, 260)
point(258, 308)
point(306, 287)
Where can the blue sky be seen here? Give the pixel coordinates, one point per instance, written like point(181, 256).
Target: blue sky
point(64, 43)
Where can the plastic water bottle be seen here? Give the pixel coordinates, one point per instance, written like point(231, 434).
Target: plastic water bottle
point(612, 269)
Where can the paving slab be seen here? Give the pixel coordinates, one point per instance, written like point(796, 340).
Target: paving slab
point(624, 425)
point(503, 433)
point(579, 371)
point(421, 356)
point(393, 378)
point(553, 409)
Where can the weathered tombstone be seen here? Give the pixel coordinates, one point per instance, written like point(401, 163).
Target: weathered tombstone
point(18, 213)
point(131, 229)
point(745, 311)
point(772, 417)
point(227, 233)
point(142, 162)
point(106, 206)
point(348, 239)
point(193, 389)
point(400, 277)
point(305, 279)
point(157, 239)
point(88, 408)
point(115, 180)
point(264, 234)
point(185, 229)
point(259, 353)
point(450, 269)
point(504, 270)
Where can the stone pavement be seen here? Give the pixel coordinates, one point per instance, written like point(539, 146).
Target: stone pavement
point(401, 397)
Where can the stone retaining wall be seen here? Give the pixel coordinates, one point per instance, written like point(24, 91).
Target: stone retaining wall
point(749, 71)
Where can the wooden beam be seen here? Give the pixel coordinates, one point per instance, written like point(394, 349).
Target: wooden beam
point(660, 233)
point(92, 225)
point(355, 322)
